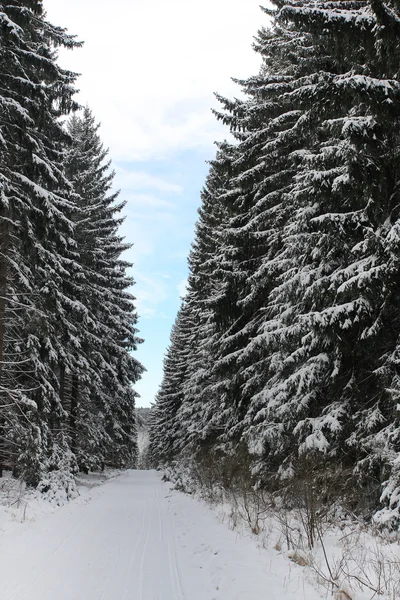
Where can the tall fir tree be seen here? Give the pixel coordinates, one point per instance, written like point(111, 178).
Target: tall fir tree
point(67, 318)
point(164, 427)
point(101, 398)
point(36, 232)
point(304, 332)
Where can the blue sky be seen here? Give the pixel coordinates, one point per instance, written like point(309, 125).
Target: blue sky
point(148, 72)
point(160, 214)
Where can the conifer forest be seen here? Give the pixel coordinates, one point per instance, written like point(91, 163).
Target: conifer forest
point(283, 368)
point(67, 316)
point(284, 362)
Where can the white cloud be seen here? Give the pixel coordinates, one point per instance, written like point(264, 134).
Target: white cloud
point(149, 69)
point(145, 201)
point(150, 210)
point(140, 180)
point(150, 293)
point(183, 288)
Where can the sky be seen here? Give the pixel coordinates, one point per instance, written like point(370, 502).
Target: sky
point(148, 71)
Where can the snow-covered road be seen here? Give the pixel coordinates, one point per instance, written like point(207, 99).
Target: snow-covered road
point(134, 539)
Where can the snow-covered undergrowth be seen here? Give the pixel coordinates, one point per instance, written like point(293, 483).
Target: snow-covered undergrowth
point(21, 504)
point(342, 556)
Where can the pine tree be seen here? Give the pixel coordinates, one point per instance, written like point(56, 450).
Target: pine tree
point(204, 411)
point(328, 393)
point(101, 398)
point(271, 129)
point(36, 232)
point(165, 427)
point(305, 367)
point(297, 329)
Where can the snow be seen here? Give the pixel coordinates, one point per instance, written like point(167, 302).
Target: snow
point(134, 538)
point(360, 17)
point(14, 28)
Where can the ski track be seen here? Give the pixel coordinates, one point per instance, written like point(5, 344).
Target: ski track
point(135, 539)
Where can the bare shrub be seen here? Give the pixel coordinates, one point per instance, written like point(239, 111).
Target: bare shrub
point(362, 564)
point(252, 506)
point(313, 492)
point(299, 513)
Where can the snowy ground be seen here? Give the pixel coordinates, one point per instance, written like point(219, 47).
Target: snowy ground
point(133, 538)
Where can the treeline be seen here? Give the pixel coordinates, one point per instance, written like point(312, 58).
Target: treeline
point(67, 318)
point(284, 363)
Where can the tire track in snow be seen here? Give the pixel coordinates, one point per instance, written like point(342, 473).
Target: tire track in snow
point(144, 553)
point(137, 544)
point(160, 528)
point(140, 542)
point(173, 561)
point(111, 572)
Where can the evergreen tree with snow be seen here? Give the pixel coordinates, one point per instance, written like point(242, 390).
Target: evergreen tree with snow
point(327, 393)
point(37, 248)
point(67, 317)
point(203, 411)
point(101, 399)
point(304, 316)
point(165, 427)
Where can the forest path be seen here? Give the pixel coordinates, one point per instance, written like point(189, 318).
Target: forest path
point(135, 539)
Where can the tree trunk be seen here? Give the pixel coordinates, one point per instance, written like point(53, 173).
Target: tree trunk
point(62, 386)
point(74, 410)
point(4, 242)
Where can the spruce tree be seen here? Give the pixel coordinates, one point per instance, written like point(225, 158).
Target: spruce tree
point(327, 393)
point(165, 427)
point(36, 232)
point(204, 411)
point(101, 398)
point(297, 315)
